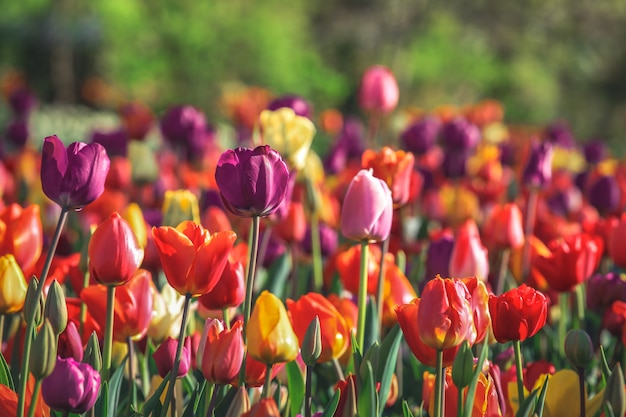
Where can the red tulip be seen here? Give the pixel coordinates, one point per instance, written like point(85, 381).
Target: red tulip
point(229, 291)
point(479, 299)
point(469, 256)
point(518, 313)
point(21, 235)
point(220, 352)
point(348, 266)
point(616, 246)
point(265, 407)
point(503, 228)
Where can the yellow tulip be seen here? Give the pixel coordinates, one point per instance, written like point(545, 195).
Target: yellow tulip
point(12, 285)
point(288, 134)
point(271, 338)
point(180, 206)
point(134, 216)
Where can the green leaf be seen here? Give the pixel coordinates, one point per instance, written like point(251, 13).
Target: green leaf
point(471, 391)
point(387, 358)
point(295, 383)
point(372, 327)
point(102, 403)
point(406, 410)
point(192, 405)
point(222, 407)
point(542, 399)
point(357, 358)
point(606, 371)
point(115, 383)
point(367, 398)
point(331, 407)
point(5, 374)
point(527, 406)
point(152, 402)
point(279, 271)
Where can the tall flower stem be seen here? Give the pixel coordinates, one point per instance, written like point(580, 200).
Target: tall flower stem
point(439, 381)
point(581, 386)
point(308, 399)
point(564, 299)
point(131, 372)
point(517, 346)
point(268, 381)
point(179, 351)
point(380, 285)
point(316, 252)
point(213, 401)
point(505, 255)
point(531, 214)
point(362, 301)
point(30, 326)
point(33, 401)
point(83, 306)
point(108, 334)
point(254, 248)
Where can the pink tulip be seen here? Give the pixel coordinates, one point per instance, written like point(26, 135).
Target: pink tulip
point(469, 256)
point(379, 90)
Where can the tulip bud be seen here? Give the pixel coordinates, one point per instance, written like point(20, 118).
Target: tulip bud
point(538, 170)
point(179, 206)
point(92, 355)
point(614, 391)
point(240, 403)
point(379, 90)
point(12, 285)
point(578, 348)
point(266, 407)
point(312, 343)
point(70, 344)
point(137, 223)
point(33, 306)
point(165, 354)
point(44, 354)
point(463, 366)
point(55, 309)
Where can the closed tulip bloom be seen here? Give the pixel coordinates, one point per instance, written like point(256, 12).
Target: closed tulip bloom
point(220, 352)
point(459, 135)
point(265, 407)
point(114, 252)
point(367, 208)
point(538, 170)
point(179, 206)
point(348, 263)
point(21, 234)
point(73, 177)
point(137, 119)
point(479, 300)
point(379, 90)
point(469, 256)
point(166, 317)
point(421, 135)
point(289, 134)
point(503, 228)
point(12, 285)
point(604, 289)
point(252, 182)
point(570, 261)
point(604, 194)
point(183, 125)
point(438, 256)
point(166, 353)
point(293, 227)
point(70, 343)
point(615, 245)
point(72, 387)
point(192, 258)
point(334, 329)
point(229, 290)
point(393, 167)
point(518, 313)
point(444, 316)
point(271, 338)
point(115, 142)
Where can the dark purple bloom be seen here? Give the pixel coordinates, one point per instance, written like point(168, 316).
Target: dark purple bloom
point(165, 354)
point(438, 257)
point(115, 142)
point(328, 240)
point(559, 133)
point(22, 101)
point(73, 386)
point(421, 135)
point(70, 344)
point(604, 194)
point(183, 126)
point(604, 289)
point(349, 145)
point(283, 208)
point(460, 135)
point(274, 249)
point(538, 170)
point(252, 182)
point(453, 164)
point(74, 176)
point(299, 105)
point(17, 132)
point(507, 154)
point(595, 151)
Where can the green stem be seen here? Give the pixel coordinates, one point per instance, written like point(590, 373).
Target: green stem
point(439, 381)
point(316, 251)
point(460, 404)
point(179, 350)
point(505, 254)
point(108, 334)
point(131, 372)
point(362, 301)
point(517, 346)
point(579, 306)
point(268, 381)
point(338, 370)
point(208, 398)
point(308, 398)
point(213, 401)
point(581, 386)
point(83, 306)
point(254, 247)
point(380, 285)
point(294, 275)
point(564, 310)
point(226, 317)
point(30, 326)
point(531, 213)
point(33, 398)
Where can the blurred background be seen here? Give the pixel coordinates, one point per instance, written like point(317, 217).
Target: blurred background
point(545, 60)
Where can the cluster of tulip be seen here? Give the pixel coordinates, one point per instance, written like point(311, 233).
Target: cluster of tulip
point(155, 273)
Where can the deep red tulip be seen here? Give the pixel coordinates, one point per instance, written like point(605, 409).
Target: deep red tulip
point(137, 118)
point(74, 176)
point(616, 246)
point(166, 353)
point(21, 235)
point(229, 291)
point(518, 313)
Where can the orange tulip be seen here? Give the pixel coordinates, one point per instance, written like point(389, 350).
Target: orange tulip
point(348, 264)
point(266, 407)
point(293, 227)
point(132, 309)
point(192, 258)
point(21, 234)
point(334, 328)
point(397, 290)
point(393, 167)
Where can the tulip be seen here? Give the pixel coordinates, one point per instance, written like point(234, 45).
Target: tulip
point(193, 259)
point(72, 387)
point(70, 343)
point(22, 102)
point(469, 256)
point(166, 317)
point(367, 209)
point(180, 206)
point(615, 245)
point(256, 372)
point(444, 315)
point(570, 262)
point(503, 229)
point(137, 119)
point(74, 176)
point(479, 300)
point(8, 401)
point(538, 170)
point(183, 125)
point(328, 240)
point(438, 256)
point(397, 290)
point(271, 338)
point(220, 352)
point(595, 151)
point(562, 396)
point(292, 228)
point(132, 307)
point(145, 169)
point(165, 353)
point(604, 194)
point(12, 285)
point(334, 329)
point(299, 105)
point(379, 91)
point(393, 167)
point(348, 266)
point(114, 252)
point(518, 313)
point(604, 289)
point(421, 135)
point(252, 182)
point(18, 132)
point(289, 134)
point(459, 135)
point(21, 234)
point(229, 290)
point(115, 142)
point(265, 407)
point(134, 216)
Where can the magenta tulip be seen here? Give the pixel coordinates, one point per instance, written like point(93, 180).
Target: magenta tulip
point(538, 169)
point(73, 386)
point(379, 90)
point(165, 354)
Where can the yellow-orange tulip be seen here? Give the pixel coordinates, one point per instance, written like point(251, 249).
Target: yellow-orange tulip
point(271, 338)
point(12, 285)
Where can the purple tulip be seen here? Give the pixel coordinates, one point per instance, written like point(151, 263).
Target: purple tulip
point(328, 240)
point(115, 142)
point(538, 170)
point(274, 249)
point(460, 135)
point(252, 182)
point(595, 151)
point(604, 194)
point(74, 176)
point(22, 102)
point(421, 135)
point(183, 126)
point(367, 208)
point(165, 354)
point(299, 105)
point(454, 164)
point(438, 257)
point(70, 344)
point(604, 289)
point(349, 145)
point(559, 133)
point(73, 386)
point(17, 132)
